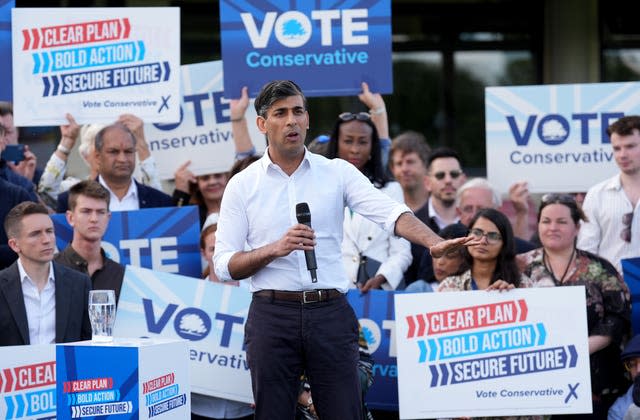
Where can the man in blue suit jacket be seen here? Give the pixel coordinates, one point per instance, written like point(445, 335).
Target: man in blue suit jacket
point(115, 149)
point(41, 302)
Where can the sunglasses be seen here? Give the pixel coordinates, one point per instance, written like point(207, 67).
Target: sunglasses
point(631, 365)
point(360, 116)
point(625, 235)
point(453, 174)
point(492, 237)
point(558, 198)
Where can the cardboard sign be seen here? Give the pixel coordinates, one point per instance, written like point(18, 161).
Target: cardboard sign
point(211, 316)
point(203, 134)
point(28, 382)
point(6, 93)
point(163, 239)
point(306, 43)
point(554, 136)
point(95, 63)
point(463, 354)
point(127, 378)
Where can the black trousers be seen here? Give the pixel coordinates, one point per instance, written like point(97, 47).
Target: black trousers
point(285, 339)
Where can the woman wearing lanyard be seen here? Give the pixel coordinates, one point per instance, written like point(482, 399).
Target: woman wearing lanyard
point(560, 263)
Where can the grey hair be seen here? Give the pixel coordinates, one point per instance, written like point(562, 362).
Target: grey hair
point(481, 183)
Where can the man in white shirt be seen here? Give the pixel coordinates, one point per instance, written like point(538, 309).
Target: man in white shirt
point(41, 302)
point(296, 326)
point(613, 229)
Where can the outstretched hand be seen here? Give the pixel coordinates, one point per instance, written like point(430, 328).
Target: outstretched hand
point(448, 245)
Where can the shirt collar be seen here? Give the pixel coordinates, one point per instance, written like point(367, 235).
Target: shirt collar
point(24, 276)
point(74, 258)
point(133, 188)
point(614, 183)
point(266, 162)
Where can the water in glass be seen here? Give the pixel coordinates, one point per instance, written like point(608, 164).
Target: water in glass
point(102, 314)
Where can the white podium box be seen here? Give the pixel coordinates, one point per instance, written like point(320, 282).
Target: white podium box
point(129, 378)
point(28, 382)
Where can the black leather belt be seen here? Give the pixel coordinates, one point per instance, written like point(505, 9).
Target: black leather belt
point(303, 296)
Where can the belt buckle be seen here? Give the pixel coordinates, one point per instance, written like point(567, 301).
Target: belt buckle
point(310, 293)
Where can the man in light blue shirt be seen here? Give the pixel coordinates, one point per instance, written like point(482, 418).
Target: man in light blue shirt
point(625, 407)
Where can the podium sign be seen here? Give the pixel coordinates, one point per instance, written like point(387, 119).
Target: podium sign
point(28, 382)
point(128, 379)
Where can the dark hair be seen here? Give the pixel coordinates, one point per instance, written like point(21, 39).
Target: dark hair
point(195, 195)
point(203, 235)
point(99, 142)
point(6, 108)
point(566, 200)
point(275, 91)
point(242, 164)
point(373, 169)
point(506, 266)
point(453, 231)
point(88, 188)
point(16, 214)
point(624, 126)
point(410, 142)
point(443, 152)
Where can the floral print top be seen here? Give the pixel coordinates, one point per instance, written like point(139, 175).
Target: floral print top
point(608, 309)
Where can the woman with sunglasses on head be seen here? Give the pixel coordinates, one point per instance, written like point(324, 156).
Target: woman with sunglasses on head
point(560, 263)
point(355, 139)
point(490, 261)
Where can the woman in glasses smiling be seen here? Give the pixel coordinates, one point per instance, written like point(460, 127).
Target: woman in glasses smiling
point(355, 139)
point(560, 263)
point(491, 260)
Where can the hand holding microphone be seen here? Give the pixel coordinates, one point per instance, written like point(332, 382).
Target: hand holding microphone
point(303, 214)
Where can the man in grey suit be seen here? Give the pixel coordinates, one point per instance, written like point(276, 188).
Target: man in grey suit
point(41, 302)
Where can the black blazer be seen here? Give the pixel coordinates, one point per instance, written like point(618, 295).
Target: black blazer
point(72, 306)
point(148, 197)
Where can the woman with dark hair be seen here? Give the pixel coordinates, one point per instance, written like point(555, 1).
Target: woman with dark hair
point(352, 141)
point(373, 258)
point(560, 263)
point(492, 260)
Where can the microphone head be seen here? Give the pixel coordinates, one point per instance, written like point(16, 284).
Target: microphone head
point(303, 214)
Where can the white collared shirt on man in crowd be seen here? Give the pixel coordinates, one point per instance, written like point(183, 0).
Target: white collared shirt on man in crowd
point(605, 205)
point(259, 206)
point(40, 307)
point(128, 202)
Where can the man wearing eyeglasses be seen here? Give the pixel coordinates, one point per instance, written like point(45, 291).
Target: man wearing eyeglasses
point(626, 406)
point(445, 176)
point(613, 229)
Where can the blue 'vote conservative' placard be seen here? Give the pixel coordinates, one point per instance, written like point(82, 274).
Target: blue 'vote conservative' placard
point(162, 239)
point(328, 49)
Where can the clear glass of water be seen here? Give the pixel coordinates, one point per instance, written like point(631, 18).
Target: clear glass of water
point(102, 314)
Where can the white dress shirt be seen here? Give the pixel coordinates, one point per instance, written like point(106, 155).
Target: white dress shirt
point(40, 306)
point(128, 202)
point(436, 217)
point(604, 206)
point(259, 206)
point(362, 235)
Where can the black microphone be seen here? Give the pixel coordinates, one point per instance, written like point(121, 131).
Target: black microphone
point(303, 214)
